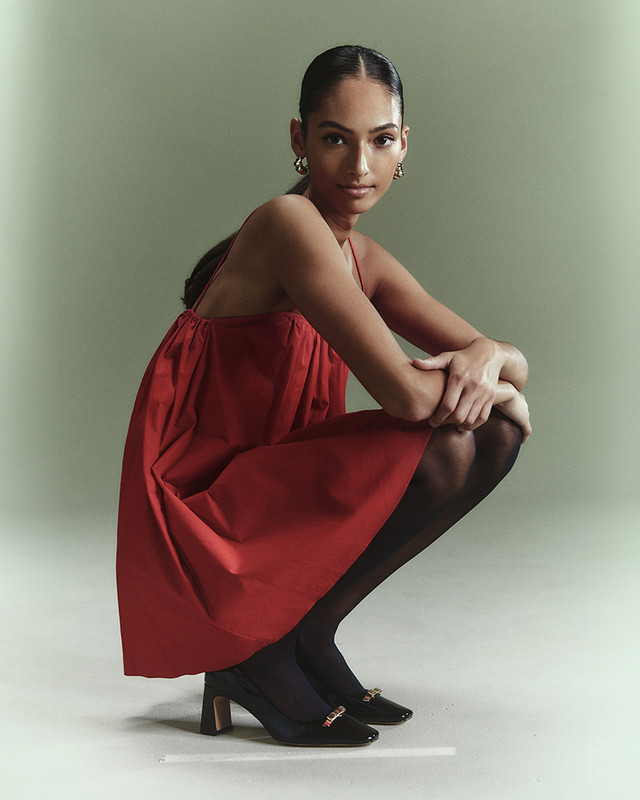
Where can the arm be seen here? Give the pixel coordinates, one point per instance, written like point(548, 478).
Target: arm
point(474, 373)
point(473, 362)
point(419, 318)
point(515, 368)
point(514, 406)
point(297, 247)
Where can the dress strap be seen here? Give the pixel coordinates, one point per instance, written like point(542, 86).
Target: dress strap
point(355, 258)
point(221, 262)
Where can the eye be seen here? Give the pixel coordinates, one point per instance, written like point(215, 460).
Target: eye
point(333, 138)
point(385, 139)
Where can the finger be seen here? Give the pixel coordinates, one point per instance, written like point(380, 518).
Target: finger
point(437, 362)
point(475, 412)
point(477, 416)
point(447, 405)
point(454, 407)
point(485, 413)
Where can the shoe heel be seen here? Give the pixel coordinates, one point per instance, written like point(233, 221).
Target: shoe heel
point(216, 713)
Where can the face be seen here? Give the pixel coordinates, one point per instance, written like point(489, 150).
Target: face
point(352, 144)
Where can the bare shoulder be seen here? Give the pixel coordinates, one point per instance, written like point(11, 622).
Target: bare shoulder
point(249, 281)
point(290, 213)
point(283, 206)
point(268, 233)
point(289, 230)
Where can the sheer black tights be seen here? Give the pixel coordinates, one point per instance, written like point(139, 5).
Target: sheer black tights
point(456, 471)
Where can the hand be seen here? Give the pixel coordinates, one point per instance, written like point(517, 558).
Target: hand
point(516, 408)
point(471, 385)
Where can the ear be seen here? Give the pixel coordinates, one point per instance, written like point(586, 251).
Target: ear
point(404, 133)
point(297, 137)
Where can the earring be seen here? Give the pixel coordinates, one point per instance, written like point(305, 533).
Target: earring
point(399, 173)
point(300, 168)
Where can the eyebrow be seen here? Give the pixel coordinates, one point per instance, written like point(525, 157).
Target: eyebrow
point(331, 124)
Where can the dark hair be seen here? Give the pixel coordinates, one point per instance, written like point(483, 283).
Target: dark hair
point(346, 61)
point(324, 72)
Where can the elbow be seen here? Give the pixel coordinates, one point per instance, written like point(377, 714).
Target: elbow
point(410, 407)
point(520, 380)
point(414, 415)
point(409, 412)
point(399, 411)
point(516, 369)
point(416, 397)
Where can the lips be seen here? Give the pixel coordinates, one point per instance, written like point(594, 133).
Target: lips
point(356, 191)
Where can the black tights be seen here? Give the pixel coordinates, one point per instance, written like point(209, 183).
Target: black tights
point(456, 471)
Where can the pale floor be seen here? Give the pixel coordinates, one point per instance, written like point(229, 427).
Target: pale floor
point(514, 639)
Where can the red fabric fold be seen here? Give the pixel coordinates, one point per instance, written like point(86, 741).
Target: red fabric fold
point(246, 491)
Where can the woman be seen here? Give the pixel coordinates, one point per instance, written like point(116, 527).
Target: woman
point(255, 514)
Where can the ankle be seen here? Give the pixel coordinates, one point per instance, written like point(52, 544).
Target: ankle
point(326, 662)
point(286, 687)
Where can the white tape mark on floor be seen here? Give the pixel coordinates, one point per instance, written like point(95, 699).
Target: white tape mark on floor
point(328, 753)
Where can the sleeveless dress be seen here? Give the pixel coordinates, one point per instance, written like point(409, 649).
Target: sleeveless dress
point(246, 490)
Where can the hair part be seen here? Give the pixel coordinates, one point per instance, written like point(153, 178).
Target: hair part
point(346, 61)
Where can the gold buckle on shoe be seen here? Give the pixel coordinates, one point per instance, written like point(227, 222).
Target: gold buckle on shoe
point(371, 693)
point(333, 716)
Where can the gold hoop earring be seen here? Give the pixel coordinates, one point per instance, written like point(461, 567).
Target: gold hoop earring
point(300, 168)
point(399, 173)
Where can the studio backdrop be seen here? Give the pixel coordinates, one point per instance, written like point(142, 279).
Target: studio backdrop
point(140, 132)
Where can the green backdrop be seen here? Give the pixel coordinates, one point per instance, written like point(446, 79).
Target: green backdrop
point(138, 132)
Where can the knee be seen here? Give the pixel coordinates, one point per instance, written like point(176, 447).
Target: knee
point(446, 463)
point(498, 441)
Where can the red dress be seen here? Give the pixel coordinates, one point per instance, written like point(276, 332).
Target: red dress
point(247, 491)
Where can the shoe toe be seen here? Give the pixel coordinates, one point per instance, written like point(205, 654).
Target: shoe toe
point(378, 711)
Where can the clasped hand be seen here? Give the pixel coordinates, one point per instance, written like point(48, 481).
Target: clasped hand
point(474, 387)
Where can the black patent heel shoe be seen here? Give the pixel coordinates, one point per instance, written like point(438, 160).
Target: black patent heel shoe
point(216, 713)
point(337, 729)
point(374, 709)
point(370, 708)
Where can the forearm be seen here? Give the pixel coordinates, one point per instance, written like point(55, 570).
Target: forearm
point(513, 405)
point(422, 394)
point(505, 391)
point(408, 393)
point(515, 368)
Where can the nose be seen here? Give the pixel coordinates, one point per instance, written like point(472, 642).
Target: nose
point(359, 166)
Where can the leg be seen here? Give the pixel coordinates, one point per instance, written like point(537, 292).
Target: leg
point(456, 472)
point(274, 669)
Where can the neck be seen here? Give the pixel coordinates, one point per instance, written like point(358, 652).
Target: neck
point(341, 225)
